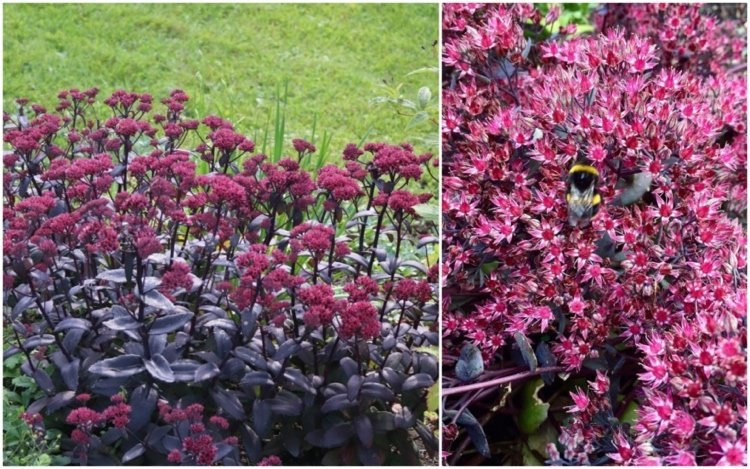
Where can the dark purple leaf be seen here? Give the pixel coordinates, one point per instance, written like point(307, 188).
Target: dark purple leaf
point(353, 386)
point(364, 430)
point(428, 437)
point(38, 341)
point(546, 359)
point(233, 369)
point(474, 429)
point(394, 360)
point(382, 421)
point(394, 379)
point(69, 372)
point(22, 305)
point(286, 403)
point(428, 364)
point(339, 266)
point(420, 380)
point(286, 349)
point(292, 440)
point(337, 435)
point(134, 346)
point(223, 343)
point(526, 351)
point(417, 265)
point(389, 343)
point(170, 323)
point(171, 443)
point(108, 438)
point(257, 222)
point(377, 391)
point(350, 366)
point(114, 275)
point(109, 386)
point(222, 323)
point(159, 368)
point(133, 453)
point(71, 323)
point(257, 378)
point(427, 240)
point(142, 402)
point(251, 443)
point(380, 254)
point(60, 400)
point(184, 370)
point(157, 300)
point(251, 357)
point(274, 368)
point(206, 371)
point(365, 213)
point(156, 434)
point(38, 405)
point(44, 381)
point(336, 403)
point(404, 418)
point(249, 323)
point(124, 365)
point(222, 451)
point(358, 259)
point(333, 389)
point(295, 377)
point(261, 417)
point(157, 343)
point(122, 322)
point(229, 403)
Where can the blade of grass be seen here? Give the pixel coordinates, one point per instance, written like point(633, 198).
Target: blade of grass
point(323, 151)
point(280, 122)
point(264, 147)
point(314, 125)
point(364, 137)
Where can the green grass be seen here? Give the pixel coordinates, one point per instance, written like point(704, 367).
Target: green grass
point(231, 59)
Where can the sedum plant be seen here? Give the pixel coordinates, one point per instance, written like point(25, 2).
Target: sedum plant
point(256, 314)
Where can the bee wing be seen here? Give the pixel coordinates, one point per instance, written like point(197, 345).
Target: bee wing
point(581, 203)
point(580, 206)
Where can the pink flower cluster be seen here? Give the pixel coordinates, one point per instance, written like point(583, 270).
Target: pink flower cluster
point(86, 419)
point(688, 39)
point(198, 447)
point(664, 277)
point(360, 320)
point(321, 305)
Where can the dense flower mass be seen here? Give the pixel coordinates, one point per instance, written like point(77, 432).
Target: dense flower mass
point(653, 291)
point(181, 299)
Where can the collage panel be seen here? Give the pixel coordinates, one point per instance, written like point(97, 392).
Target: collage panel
point(220, 234)
point(594, 201)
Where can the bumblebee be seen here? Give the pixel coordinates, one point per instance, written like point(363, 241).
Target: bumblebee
point(582, 195)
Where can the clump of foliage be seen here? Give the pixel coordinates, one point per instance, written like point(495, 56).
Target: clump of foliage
point(255, 314)
point(25, 441)
point(636, 324)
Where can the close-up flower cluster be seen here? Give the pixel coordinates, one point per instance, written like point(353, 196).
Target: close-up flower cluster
point(618, 336)
point(253, 313)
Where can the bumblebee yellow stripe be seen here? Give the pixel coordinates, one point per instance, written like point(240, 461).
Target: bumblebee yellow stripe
point(596, 200)
point(584, 168)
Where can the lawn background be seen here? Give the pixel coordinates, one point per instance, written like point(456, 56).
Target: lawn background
point(231, 59)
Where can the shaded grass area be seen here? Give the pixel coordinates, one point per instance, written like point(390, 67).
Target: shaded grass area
point(231, 59)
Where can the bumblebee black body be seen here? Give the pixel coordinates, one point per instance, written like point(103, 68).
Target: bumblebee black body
point(582, 195)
